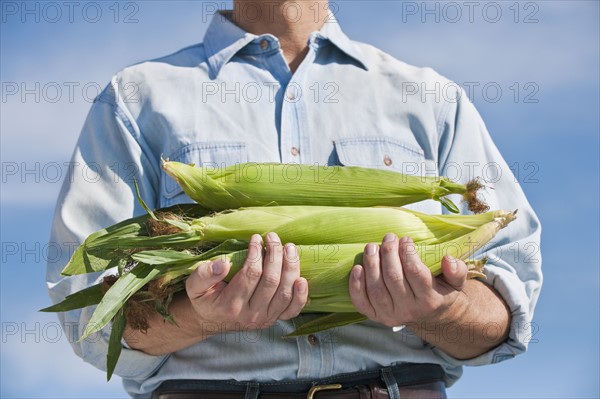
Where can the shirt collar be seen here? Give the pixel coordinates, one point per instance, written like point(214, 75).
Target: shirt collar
point(332, 32)
point(223, 40)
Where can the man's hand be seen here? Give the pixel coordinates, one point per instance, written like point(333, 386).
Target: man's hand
point(393, 286)
point(268, 288)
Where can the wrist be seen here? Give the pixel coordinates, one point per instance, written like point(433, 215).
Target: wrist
point(188, 319)
point(452, 311)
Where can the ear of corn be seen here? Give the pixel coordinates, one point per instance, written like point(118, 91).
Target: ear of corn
point(263, 184)
point(299, 224)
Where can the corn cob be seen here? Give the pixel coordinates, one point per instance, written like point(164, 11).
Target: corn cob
point(303, 225)
point(328, 224)
point(256, 184)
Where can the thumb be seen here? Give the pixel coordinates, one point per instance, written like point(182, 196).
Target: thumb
point(454, 272)
point(206, 276)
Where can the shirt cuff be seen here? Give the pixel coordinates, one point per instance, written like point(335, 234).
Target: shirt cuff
point(132, 364)
point(522, 330)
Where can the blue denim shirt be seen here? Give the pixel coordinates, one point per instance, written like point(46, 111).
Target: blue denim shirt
point(234, 99)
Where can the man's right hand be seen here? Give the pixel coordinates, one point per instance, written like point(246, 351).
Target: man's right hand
point(267, 288)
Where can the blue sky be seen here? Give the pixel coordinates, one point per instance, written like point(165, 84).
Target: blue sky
point(543, 55)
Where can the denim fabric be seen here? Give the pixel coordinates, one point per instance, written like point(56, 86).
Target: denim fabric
point(233, 99)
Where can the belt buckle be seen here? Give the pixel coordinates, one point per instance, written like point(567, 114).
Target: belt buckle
point(317, 388)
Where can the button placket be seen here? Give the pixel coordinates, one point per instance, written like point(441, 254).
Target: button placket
point(310, 356)
point(290, 128)
point(295, 137)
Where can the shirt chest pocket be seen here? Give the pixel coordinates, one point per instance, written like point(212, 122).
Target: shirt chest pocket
point(209, 154)
point(388, 154)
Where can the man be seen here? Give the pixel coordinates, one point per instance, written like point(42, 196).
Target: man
point(280, 82)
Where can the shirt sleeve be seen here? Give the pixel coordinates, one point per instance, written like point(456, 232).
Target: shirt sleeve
point(514, 259)
point(98, 192)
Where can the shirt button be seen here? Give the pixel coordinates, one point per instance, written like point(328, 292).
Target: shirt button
point(264, 44)
point(312, 339)
point(291, 95)
point(387, 160)
point(295, 151)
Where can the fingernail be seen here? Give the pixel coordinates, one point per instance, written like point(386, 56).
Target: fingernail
point(407, 245)
point(389, 237)
point(357, 273)
point(453, 263)
point(371, 249)
point(256, 238)
point(217, 267)
point(291, 251)
point(302, 286)
point(273, 237)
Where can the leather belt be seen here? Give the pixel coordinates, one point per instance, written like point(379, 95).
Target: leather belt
point(432, 390)
point(406, 381)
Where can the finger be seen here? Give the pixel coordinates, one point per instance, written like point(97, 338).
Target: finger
point(454, 272)
point(300, 297)
point(377, 292)
point(271, 274)
point(391, 268)
point(290, 272)
point(358, 292)
point(417, 275)
point(206, 277)
point(244, 282)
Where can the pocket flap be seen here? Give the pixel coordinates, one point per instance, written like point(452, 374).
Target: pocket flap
point(384, 153)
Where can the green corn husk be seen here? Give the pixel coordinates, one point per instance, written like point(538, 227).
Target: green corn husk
point(326, 268)
point(303, 225)
point(265, 184)
point(101, 250)
point(325, 224)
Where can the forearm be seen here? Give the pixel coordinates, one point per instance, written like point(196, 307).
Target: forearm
point(477, 321)
point(163, 337)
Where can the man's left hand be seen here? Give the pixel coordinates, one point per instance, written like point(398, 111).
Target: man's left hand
point(394, 287)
